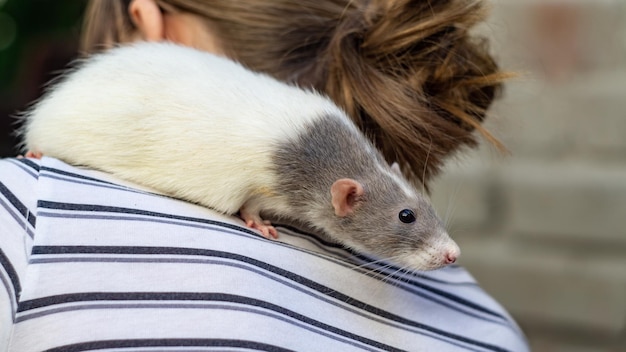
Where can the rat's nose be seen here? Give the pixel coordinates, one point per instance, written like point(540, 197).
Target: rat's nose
point(450, 251)
point(450, 257)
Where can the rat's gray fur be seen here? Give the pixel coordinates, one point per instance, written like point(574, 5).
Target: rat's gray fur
point(328, 150)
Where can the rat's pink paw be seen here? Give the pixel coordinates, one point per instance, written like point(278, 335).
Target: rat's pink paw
point(30, 154)
point(267, 230)
point(254, 221)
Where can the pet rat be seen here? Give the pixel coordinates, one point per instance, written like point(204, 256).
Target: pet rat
point(205, 129)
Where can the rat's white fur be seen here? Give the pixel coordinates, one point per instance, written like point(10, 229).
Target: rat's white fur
point(154, 79)
point(205, 129)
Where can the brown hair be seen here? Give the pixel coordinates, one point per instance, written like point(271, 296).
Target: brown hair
point(407, 71)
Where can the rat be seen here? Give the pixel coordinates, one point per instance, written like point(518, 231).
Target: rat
point(206, 129)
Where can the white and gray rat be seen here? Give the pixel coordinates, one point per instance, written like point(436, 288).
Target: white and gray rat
point(207, 130)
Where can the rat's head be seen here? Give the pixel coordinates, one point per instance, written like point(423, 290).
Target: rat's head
point(389, 219)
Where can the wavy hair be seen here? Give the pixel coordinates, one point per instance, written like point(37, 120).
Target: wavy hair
point(407, 72)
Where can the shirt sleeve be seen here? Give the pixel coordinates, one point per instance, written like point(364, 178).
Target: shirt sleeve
point(112, 266)
point(18, 180)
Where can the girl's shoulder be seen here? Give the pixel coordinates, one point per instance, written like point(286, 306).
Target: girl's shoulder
point(116, 266)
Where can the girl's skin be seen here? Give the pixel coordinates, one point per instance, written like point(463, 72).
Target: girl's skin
point(182, 28)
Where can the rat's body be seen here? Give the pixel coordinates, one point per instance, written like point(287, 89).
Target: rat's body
point(205, 129)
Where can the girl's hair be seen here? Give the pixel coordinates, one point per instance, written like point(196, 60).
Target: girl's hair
point(407, 71)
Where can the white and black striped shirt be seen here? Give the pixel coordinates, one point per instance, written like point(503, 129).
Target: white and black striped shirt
point(88, 262)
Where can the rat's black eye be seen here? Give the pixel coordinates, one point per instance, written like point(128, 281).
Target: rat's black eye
point(407, 216)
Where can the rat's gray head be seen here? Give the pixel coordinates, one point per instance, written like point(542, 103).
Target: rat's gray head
point(386, 217)
point(374, 209)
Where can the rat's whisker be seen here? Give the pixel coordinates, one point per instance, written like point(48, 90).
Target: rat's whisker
point(391, 266)
point(425, 166)
point(393, 274)
point(451, 205)
point(384, 260)
point(378, 270)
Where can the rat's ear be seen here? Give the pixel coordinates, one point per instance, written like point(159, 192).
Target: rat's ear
point(346, 194)
point(396, 168)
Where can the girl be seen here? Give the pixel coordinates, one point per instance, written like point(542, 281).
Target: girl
point(89, 262)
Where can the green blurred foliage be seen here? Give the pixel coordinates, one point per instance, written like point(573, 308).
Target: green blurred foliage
point(22, 21)
point(38, 38)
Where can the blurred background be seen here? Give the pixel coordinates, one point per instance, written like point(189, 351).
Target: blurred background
point(542, 229)
point(37, 39)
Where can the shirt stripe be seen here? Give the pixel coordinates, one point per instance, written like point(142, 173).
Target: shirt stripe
point(112, 267)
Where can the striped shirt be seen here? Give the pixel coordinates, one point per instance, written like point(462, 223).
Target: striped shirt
point(89, 262)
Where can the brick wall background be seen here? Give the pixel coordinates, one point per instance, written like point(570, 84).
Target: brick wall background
point(544, 229)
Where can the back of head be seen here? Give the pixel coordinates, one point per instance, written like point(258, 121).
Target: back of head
point(407, 71)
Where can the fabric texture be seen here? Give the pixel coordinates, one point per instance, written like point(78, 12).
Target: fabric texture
point(89, 262)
